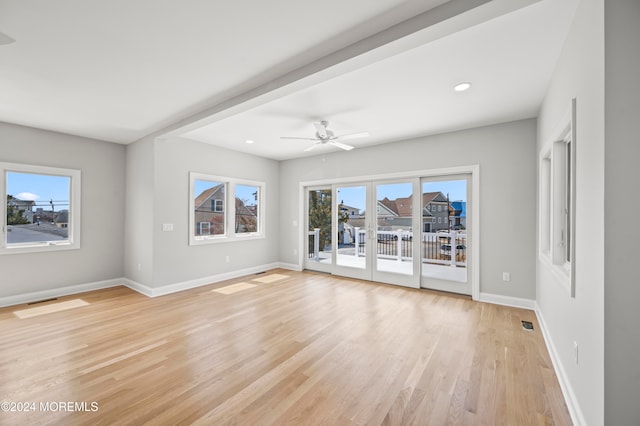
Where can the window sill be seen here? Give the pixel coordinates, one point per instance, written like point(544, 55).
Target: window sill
point(220, 240)
point(38, 248)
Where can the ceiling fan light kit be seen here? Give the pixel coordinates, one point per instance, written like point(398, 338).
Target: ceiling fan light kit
point(326, 136)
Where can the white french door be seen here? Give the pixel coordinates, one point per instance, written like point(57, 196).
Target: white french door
point(409, 231)
point(368, 238)
point(446, 237)
point(396, 257)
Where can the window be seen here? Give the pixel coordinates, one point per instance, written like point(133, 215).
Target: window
point(247, 203)
point(204, 228)
point(561, 202)
point(545, 205)
point(207, 209)
point(211, 222)
point(42, 208)
point(557, 202)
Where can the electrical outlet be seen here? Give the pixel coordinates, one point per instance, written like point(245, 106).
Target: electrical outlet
point(228, 259)
point(575, 351)
point(295, 252)
point(506, 276)
point(167, 227)
point(139, 267)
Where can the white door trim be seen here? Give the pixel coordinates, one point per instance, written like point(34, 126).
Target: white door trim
point(473, 169)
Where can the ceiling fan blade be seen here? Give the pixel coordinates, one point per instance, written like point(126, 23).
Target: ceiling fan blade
point(5, 39)
point(321, 128)
point(309, 148)
point(341, 145)
point(297, 138)
point(353, 136)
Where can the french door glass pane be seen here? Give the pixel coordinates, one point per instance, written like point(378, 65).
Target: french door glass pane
point(394, 232)
point(319, 232)
point(444, 230)
point(351, 226)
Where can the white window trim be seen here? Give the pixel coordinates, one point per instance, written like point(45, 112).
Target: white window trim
point(229, 234)
point(73, 242)
point(260, 211)
point(553, 200)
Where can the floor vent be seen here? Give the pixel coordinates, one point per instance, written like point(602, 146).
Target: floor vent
point(527, 325)
point(42, 301)
point(260, 273)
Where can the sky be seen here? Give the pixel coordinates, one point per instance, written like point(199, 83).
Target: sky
point(354, 196)
point(40, 188)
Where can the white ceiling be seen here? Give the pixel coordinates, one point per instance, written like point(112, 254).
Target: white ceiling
point(119, 70)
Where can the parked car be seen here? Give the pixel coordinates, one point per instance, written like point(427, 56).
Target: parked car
point(387, 238)
point(446, 248)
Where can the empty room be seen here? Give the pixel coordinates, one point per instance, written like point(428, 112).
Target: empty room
point(393, 212)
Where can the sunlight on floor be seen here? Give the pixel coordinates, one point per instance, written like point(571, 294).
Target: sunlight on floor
point(48, 309)
point(234, 288)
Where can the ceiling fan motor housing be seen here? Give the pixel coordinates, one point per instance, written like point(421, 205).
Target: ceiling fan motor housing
point(329, 135)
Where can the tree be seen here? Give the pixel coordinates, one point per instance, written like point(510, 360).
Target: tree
point(320, 215)
point(14, 215)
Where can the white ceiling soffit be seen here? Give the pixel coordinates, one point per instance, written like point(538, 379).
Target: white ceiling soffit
point(442, 18)
point(119, 70)
point(406, 91)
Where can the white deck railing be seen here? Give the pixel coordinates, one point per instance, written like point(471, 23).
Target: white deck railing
point(436, 247)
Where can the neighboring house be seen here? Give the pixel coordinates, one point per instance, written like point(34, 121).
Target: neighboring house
point(396, 214)
point(459, 218)
point(436, 211)
point(62, 219)
point(25, 207)
point(209, 211)
point(352, 212)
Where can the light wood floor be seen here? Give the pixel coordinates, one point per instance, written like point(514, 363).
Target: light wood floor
point(305, 348)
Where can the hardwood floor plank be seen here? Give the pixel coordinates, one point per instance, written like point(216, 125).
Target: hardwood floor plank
point(299, 348)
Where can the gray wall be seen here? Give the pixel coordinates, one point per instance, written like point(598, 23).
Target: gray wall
point(622, 233)
point(138, 245)
point(506, 155)
point(102, 228)
point(174, 261)
point(580, 74)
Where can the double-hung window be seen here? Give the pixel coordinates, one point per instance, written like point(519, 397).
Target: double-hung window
point(41, 211)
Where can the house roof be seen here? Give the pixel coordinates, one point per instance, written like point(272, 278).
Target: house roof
point(403, 206)
point(206, 195)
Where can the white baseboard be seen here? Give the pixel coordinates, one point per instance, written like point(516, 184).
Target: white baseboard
point(136, 286)
point(515, 302)
point(19, 299)
point(567, 390)
point(290, 266)
point(199, 282)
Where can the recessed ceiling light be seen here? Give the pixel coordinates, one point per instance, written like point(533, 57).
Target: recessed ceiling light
point(462, 87)
point(249, 141)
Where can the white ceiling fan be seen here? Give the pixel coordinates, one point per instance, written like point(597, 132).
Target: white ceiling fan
point(326, 136)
